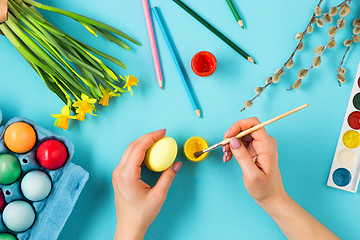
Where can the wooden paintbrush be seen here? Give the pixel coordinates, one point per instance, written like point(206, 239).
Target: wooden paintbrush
point(248, 131)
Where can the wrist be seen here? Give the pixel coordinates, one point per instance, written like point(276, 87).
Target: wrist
point(274, 202)
point(129, 233)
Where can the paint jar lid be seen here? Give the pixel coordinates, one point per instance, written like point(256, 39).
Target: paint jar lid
point(193, 145)
point(204, 64)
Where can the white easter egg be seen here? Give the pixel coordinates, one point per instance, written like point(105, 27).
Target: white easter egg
point(18, 216)
point(36, 185)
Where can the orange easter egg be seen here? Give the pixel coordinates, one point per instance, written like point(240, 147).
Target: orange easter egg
point(20, 137)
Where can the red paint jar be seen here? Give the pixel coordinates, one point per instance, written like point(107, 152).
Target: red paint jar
point(204, 64)
point(354, 120)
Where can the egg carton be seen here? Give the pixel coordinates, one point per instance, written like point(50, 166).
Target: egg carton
point(67, 184)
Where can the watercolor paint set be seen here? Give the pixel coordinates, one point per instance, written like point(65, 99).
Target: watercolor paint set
point(345, 169)
point(39, 185)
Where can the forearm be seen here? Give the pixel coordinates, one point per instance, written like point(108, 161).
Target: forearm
point(122, 233)
point(294, 221)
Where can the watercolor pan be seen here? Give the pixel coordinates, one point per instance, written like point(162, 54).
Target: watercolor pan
point(345, 169)
point(67, 184)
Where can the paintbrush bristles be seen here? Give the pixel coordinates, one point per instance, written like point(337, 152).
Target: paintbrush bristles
point(198, 154)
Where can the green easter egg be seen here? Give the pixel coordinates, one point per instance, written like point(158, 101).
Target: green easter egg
point(7, 236)
point(10, 169)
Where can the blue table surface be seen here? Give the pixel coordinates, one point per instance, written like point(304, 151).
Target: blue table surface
point(208, 200)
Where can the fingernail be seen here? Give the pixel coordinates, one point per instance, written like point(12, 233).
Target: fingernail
point(235, 143)
point(176, 167)
point(224, 158)
point(227, 133)
point(224, 149)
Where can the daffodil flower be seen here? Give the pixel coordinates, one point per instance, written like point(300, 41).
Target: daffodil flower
point(84, 106)
point(62, 120)
point(130, 81)
point(107, 94)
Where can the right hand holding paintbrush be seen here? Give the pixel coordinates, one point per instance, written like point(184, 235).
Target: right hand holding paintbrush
point(257, 156)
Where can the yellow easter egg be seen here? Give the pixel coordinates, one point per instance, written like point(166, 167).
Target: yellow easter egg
point(161, 155)
point(193, 145)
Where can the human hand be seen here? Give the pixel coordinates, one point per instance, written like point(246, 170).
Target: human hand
point(257, 156)
point(137, 204)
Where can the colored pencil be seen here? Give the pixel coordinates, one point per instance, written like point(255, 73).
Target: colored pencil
point(235, 13)
point(176, 59)
point(152, 43)
point(214, 30)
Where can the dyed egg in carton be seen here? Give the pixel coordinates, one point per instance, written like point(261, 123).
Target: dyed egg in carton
point(345, 169)
point(67, 182)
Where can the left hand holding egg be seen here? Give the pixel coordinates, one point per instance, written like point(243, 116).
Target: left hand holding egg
point(137, 204)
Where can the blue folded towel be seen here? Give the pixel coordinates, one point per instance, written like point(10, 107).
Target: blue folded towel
point(68, 182)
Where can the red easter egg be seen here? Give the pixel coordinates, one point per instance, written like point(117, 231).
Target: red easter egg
point(52, 154)
point(2, 200)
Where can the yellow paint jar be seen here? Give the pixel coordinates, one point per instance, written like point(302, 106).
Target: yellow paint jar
point(193, 145)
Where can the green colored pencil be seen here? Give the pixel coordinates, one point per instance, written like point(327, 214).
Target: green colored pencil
point(214, 30)
point(235, 13)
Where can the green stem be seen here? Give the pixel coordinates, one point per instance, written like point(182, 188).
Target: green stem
point(108, 36)
point(43, 55)
point(82, 18)
point(61, 35)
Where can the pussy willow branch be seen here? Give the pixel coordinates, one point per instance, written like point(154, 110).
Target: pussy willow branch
point(324, 48)
point(293, 53)
point(343, 58)
point(291, 56)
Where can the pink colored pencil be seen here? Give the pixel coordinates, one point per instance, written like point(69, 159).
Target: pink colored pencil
point(152, 43)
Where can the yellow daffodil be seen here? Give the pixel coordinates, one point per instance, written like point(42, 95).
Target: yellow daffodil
point(130, 81)
point(84, 106)
point(107, 94)
point(62, 120)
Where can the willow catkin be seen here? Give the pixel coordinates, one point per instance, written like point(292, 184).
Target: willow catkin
point(332, 31)
point(276, 78)
point(318, 50)
point(316, 61)
point(342, 71)
point(318, 11)
point(356, 39)
point(332, 43)
point(268, 79)
point(297, 84)
point(319, 22)
point(341, 23)
point(333, 11)
point(328, 18)
point(302, 73)
point(258, 90)
point(356, 30)
point(290, 63)
point(248, 104)
point(310, 29)
point(299, 36)
point(341, 78)
point(347, 42)
point(344, 10)
point(356, 22)
point(300, 47)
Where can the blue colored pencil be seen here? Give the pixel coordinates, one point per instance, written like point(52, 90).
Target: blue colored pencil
point(178, 64)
